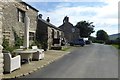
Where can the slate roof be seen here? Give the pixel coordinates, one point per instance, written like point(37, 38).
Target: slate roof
point(49, 24)
point(21, 1)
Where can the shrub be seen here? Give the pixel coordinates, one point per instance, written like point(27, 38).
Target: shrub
point(119, 46)
point(99, 41)
point(10, 48)
point(5, 43)
point(36, 43)
point(44, 45)
point(18, 42)
point(7, 47)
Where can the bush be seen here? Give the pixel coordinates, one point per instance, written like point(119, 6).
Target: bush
point(7, 47)
point(10, 48)
point(99, 41)
point(36, 43)
point(44, 45)
point(113, 42)
point(119, 46)
point(18, 42)
point(5, 43)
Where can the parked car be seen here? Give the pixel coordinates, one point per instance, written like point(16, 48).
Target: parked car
point(80, 42)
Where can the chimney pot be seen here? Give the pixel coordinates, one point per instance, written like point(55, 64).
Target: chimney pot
point(40, 15)
point(48, 20)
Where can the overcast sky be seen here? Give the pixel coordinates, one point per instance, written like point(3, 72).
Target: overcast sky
point(104, 13)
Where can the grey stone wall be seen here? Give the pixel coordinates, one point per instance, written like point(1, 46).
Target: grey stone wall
point(1, 55)
point(44, 33)
point(50, 39)
point(10, 20)
point(69, 35)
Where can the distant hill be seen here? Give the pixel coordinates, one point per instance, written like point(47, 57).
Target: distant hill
point(114, 36)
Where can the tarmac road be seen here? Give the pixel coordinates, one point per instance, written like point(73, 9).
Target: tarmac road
point(90, 61)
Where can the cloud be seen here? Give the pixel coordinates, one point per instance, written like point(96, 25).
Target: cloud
point(75, 14)
point(63, 0)
point(104, 17)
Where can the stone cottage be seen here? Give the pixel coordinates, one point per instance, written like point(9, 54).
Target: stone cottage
point(48, 33)
point(13, 21)
point(12, 15)
point(70, 32)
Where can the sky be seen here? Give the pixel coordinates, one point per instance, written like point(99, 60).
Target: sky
point(103, 13)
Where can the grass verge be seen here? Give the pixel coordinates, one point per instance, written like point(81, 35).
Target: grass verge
point(115, 45)
point(66, 48)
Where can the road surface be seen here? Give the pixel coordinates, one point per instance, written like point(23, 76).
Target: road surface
point(90, 61)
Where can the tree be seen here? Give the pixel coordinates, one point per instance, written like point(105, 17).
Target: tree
point(102, 35)
point(118, 40)
point(85, 28)
point(92, 38)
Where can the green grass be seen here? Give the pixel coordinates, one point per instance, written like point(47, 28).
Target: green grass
point(115, 45)
point(65, 49)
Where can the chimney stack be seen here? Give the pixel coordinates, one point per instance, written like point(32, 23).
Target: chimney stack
point(40, 16)
point(66, 19)
point(48, 20)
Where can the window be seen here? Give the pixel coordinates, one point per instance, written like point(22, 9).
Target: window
point(21, 15)
point(73, 30)
point(31, 35)
point(58, 34)
point(53, 33)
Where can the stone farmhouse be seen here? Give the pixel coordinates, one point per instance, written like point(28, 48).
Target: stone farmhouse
point(13, 20)
point(70, 32)
point(48, 33)
point(12, 15)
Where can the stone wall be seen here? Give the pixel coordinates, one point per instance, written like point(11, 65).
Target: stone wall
point(1, 55)
point(70, 32)
point(11, 22)
point(41, 31)
point(44, 32)
point(8, 20)
point(50, 39)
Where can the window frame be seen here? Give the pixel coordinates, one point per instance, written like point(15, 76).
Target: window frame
point(21, 15)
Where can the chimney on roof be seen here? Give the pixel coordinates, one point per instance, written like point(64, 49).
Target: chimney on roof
point(48, 20)
point(40, 16)
point(66, 19)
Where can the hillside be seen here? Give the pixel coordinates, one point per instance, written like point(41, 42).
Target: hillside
point(114, 36)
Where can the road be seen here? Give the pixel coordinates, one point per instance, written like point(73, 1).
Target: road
point(90, 61)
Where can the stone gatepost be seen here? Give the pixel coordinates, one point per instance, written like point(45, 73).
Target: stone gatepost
point(1, 54)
